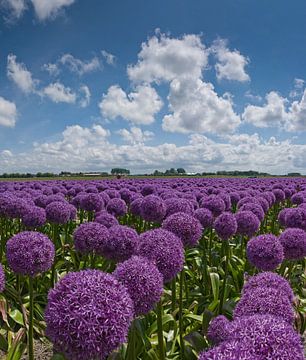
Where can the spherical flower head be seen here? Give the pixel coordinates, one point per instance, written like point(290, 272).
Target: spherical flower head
point(41, 200)
point(30, 253)
point(246, 200)
point(116, 207)
point(2, 278)
point(235, 197)
point(218, 329)
point(153, 208)
point(148, 190)
point(265, 252)
point(296, 218)
point(35, 217)
point(281, 217)
point(55, 197)
point(126, 195)
point(293, 241)
point(269, 280)
point(135, 206)
point(205, 217)
point(279, 195)
point(263, 203)
point(112, 193)
point(263, 300)
point(73, 212)
point(165, 249)
point(143, 281)
point(186, 227)
point(255, 208)
point(298, 198)
point(58, 212)
point(225, 225)
point(247, 223)
point(91, 202)
point(90, 237)
point(214, 203)
point(175, 205)
point(17, 207)
point(121, 244)
point(106, 219)
point(88, 315)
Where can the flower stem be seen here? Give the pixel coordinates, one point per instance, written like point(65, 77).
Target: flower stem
point(182, 345)
point(222, 298)
point(159, 310)
point(30, 335)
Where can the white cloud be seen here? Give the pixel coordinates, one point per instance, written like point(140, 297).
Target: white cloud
point(52, 69)
point(248, 94)
point(85, 93)
point(138, 107)
point(57, 92)
point(231, 65)
point(298, 88)
point(45, 9)
point(196, 107)
point(8, 113)
point(297, 115)
point(78, 66)
point(109, 58)
point(135, 135)
point(163, 59)
point(18, 73)
point(14, 8)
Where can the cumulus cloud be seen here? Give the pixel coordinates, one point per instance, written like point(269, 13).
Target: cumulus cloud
point(135, 135)
point(109, 58)
point(297, 88)
point(14, 9)
point(8, 113)
point(231, 64)
point(138, 107)
point(85, 96)
point(18, 73)
point(52, 69)
point(78, 66)
point(46, 9)
point(57, 92)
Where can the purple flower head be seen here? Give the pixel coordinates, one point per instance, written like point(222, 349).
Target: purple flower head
point(143, 281)
point(135, 207)
point(121, 244)
point(263, 300)
point(2, 279)
point(282, 217)
point(73, 212)
point(91, 202)
point(88, 315)
point(126, 195)
point(55, 198)
point(165, 249)
point(269, 280)
point(279, 195)
point(116, 207)
point(175, 205)
point(58, 212)
point(214, 203)
point(225, 225)
point(35, 217)
point(298, 198)
point(89, 237)
point(265, 252)
point(148, 190)
point(17, 207)
point(112, 193)
point(293, 241)
point(255, 208)
point(41, 201)
point(106, 219)
point(218, 329)
point(205, 217)
point(91, 190)
point(247, 223)
point(296, 218)
point(235, 197)
point(30, 253)
point(153, 208)
point(185, 226)
point(263, 203)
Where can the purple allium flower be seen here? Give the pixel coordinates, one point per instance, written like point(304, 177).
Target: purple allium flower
point(55, 198)
point(205, 217)
point(214, 203)
point(121, 244)
point(218, 329)
point(225, 225)
point(89, 237)
point(235, 197)
point(73, 212)
point(296, 218)
point(106, 219)
point(126, 195)
point(265, 252)
point(30, 253)
point(116, 207)
point(41, 201)
point(148, 190)
point(298, 198)
point(88, 315)
point(2, 279)
point(58, 212)
point(175, 205)
point(165, 248)
point(263, 300)
point(143, 281)
point(35, 217)
point(255, 208)
point(282, 217)
point(269, 280)
point(91, 202)
point(112, 193)
point(153, 208)
point(263, 203)
point(186, 227)
point(294, 243)
point(17, 207)
point(247, 223)
point(135, 206)
point(279, 195)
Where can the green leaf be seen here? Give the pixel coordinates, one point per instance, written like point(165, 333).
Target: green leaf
point(166, 319)
point(215, 283)
point(17, 316)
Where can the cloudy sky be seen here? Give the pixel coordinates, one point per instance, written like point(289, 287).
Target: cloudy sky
point(205, 85)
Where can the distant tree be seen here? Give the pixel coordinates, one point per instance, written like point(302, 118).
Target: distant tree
point(181, 171)
point(120, 171)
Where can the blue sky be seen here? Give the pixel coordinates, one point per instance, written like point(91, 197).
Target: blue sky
point(90, 85)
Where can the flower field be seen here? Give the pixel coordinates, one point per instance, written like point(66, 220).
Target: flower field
point(190, 268)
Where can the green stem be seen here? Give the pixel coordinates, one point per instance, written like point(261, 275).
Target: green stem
point(222, 299)
point(182, 345)
point(173, 295)
point(159, 310)
point(210, 245)
point(131, 353)
point(30, 335)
